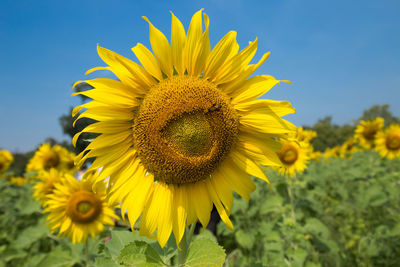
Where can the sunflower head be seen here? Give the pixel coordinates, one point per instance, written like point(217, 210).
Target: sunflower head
point(294, 156)
point(387, 142)
point(77, 209)
point(17, 180)
point(305, 135)
point(366, 131)
point(45, 184)
point(348, 148)
point(332, 152)
point(6, 158)
point(181, 130)
point(51, 157)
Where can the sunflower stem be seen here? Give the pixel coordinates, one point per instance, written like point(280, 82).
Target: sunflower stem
point(289, 189)
point(185, 244)
point(87, 252)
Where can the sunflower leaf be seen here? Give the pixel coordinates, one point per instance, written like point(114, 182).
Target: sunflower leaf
point(139, 253)
point(205, 252)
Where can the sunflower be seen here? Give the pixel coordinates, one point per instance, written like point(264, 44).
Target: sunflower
point(17, 180)
point(332, 152)
point(45, 185)
point(305, 135)
point(6, 158)
point(366, 131)
point(182, 130)
point(78, 208)
point(387, 142)
point(348, 148)
point(47, 157)
point(294, 156)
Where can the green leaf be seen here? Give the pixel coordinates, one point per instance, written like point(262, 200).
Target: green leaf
point(245, 239)
point(139, 253)
point(271, 204)
point(205, 252)
point(119, 239)
point(31, 234)
point(58, 258)
point(106, 262)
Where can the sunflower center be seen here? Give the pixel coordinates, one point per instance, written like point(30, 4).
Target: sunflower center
point(84, 207)
point(288, 154)
point(52, 160)
point(393, 142)
point(183, 129)
point(369, 133)
point(1, 166)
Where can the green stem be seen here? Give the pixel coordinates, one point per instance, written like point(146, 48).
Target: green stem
point(185, 244)
point(289, 189)
point(87, 252)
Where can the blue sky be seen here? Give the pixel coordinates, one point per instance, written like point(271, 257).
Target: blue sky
point(342, 56)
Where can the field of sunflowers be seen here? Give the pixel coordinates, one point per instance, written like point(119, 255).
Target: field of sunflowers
point(336, 208)
point(180, 163)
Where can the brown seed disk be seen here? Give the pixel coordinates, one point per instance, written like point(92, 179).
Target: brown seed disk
point(51, 161)
point(369, 133)
point(288, 154)
point(393, 142)
point(84, 207)
point(183, 129)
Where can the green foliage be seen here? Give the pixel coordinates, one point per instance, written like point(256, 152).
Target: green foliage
point(329, 134)
point(380, 111)
point(344, 212)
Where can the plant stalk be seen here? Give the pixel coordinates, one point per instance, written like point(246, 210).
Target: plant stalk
point(185, 244)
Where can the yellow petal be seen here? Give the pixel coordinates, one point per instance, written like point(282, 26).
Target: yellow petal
point(178, 40)
point(201, 52)
point(164, 213)
point(224, 192)
point(217, 203)
point(226, 48)
point(266, 123)
point(179, 212)
point(253, 88)
point(193, 37)
point(248, 165)
point(280, 108)
point(237, 83)
point(201, 202)
point(237, 178)
point(148, 60)
point(126, 70)
point(235, 65)
point(161, 49)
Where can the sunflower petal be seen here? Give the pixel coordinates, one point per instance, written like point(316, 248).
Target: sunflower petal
point(178, 40)
point(162, 50)
point(148, 60)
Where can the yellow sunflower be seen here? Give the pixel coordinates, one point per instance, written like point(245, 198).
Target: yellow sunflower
point(305, 135)
point(47, 157)
point(17, 180)
point(366, 131)
point(294, 156)
point(46, 184)
point(78, 209)
point(315, 155)
point(6, 158)
point(182, 130)
point(387, 142)
point(348, 148)
point(332, 152)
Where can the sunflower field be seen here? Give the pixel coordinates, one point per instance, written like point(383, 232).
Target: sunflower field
point(179, 162)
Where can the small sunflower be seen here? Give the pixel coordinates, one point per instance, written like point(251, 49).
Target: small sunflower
point(305, 135)
point(17, 180)
point(6, 158)
point(348, 148)
point(366, 131)
point(182, 130)
point(78, 209)
point(387, 142)
point(47, 157)
point(315, 155)
point(45, 185)
point(332, 152)
point(294, 156)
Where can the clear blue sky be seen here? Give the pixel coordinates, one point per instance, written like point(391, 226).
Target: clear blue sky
point(342, 56)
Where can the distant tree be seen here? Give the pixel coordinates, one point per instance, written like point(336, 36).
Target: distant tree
point(379, 111)
point(329, 134)
point(20, 161)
